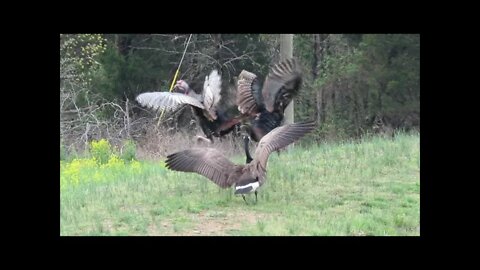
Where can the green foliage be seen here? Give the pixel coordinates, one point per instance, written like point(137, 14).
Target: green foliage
point(63, 152)
point(67, 155)
point(79, 64)
point(393, 63)
point(79, 55)
point(128, 152)
point(132, 64)
point(106, 81)
point(121, 76)
point(82, 49)
point(360, 76)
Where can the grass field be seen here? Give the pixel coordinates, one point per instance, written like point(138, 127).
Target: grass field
point(369, 187)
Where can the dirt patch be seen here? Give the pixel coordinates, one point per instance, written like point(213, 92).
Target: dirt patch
point(214, 223)
point(217, 223)
point(152, 229)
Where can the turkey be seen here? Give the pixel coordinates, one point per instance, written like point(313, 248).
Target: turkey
point(265, 105)
point(214, 119)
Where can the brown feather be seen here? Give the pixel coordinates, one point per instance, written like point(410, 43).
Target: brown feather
point(212, 164)
point(208, 162)
point(277, 139)
point(245, 100)
point(284, 78)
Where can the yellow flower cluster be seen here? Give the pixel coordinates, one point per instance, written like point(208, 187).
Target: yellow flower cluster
point(88, 170)
point(104, 165)
point(101, 151)
point(71, 173)
point(114, 162)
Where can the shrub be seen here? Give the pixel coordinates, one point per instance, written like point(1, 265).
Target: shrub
point(128, 152)
point(101, 150)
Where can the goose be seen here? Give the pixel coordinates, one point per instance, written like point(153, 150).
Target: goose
point(265, 105)
point(213, 120)
point(212, 164)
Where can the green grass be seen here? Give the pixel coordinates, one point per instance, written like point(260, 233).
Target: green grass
point(370, 187)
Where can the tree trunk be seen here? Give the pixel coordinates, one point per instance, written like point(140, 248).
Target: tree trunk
point(366, 98)
point(381, 90)
point(123, 43)
point(317, 60)
point(357, 115)
point(319, 107)
point(217, 39)
point(316, 55)
point(286, 51)
point(332, 97)
point(320, 50)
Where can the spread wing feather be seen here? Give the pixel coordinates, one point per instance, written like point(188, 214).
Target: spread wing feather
point(211, 92)
point(166, 100)
point(277, 139)
point(247, 88)
point(283, 82)
point(208, 162)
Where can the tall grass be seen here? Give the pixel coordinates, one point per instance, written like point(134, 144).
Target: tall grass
point(368, 187)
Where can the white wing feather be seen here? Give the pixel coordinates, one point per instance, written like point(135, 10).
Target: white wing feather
point(211, 92)
point(166, 100)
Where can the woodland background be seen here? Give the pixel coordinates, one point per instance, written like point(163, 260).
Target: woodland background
point(354, 84)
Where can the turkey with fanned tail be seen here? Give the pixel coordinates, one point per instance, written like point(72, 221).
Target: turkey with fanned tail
point(214, 120)
point(265, 105)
